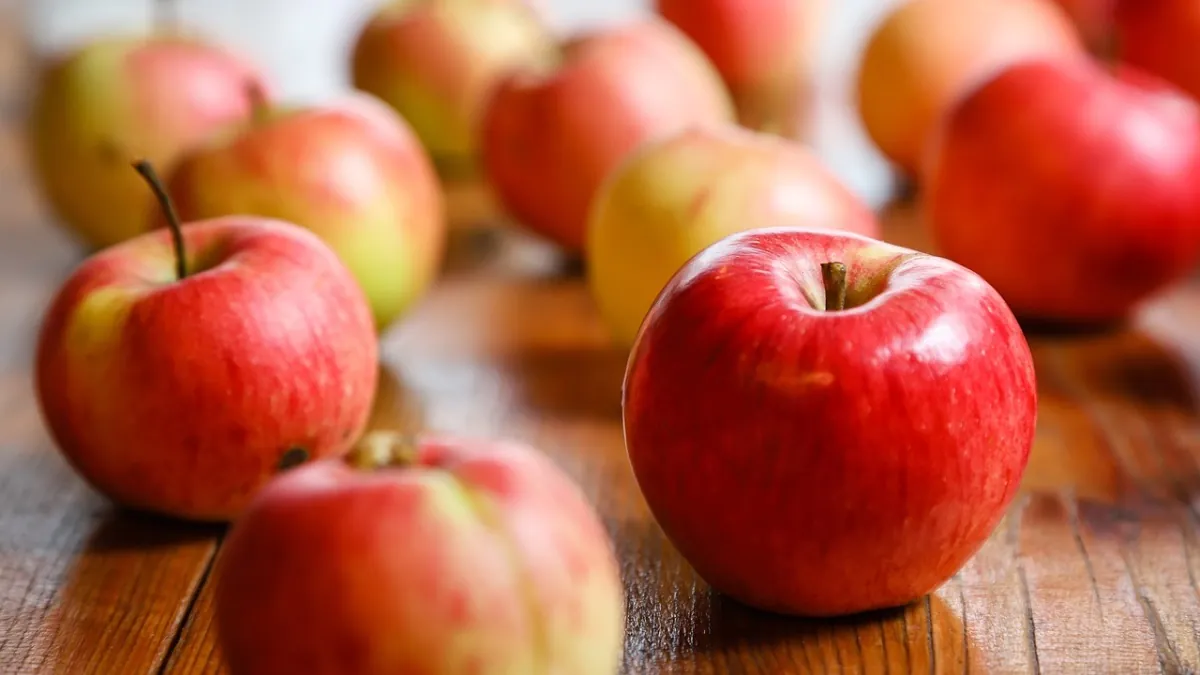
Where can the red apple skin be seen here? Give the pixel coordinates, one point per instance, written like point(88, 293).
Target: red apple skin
point(480, 557)
point(1070, 189)
point(1093, 19)
point(827, 463)
point(114, 101)
point(1162, 37)
point(550, 138)
point(181, 397)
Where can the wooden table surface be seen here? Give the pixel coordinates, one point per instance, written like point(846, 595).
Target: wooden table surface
point(1093, 570)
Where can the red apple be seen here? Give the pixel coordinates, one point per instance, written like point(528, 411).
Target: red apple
point(1094, 20)
point(180, 385)
point(550, 138)
point(1071, 190)
point(764, 50)
point(350, 170)
point(440, 556)
point(1163, 37)
point(928, 53)
point(827, 439)
point(110, 102)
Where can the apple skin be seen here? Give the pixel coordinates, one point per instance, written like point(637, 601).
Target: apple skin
point(1093, 19)
point(350, 170)
point(1070, 189)
point(827, 463)
point(1161, 37)
point(113, 101)
point(927, 53)
point(550, 138)
point(435, 62)
point(182, 397)
point(673, 197)
point(477, 556)
point(764, 50)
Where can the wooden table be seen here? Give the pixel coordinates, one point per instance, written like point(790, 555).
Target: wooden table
point(1093, 570)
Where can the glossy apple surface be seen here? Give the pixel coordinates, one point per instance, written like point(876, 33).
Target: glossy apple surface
point(672, 198)
point(819, 461)
point(349, 170)
point(927, 53)
point(448, 556)
point(435, 62)
point(1069, 189)
point(550, 138)
point(183, 396)
point(114, 101)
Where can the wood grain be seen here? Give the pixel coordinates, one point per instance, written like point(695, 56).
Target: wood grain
point(1094, 569)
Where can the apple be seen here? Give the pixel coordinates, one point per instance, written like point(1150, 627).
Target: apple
point(928, 53)
point(109, 102)
point(435, 62)
point(1093, 19)
point(551, 137)
point(350, 170)
point(1070, 189)
point(178, 371)
point(1162, 37)
point(432, 555)
point(764, 50)
point(825, 424)
point(673, 197)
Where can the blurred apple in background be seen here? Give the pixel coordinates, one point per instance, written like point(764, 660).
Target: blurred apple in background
point(1073, 191)
point(550, 137)
point(764, 50)
point(674, 197)
point(352, 171)
point(109, 102)
point(825, 424)
point(927, 53)
point(1162, 37)
point(183, 391)
point(435, 61)
point(1093, 19)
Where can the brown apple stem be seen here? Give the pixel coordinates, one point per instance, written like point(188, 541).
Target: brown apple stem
point(164, 200)
point(380, 449)
point(259, 106)
point(166, 16)
point(834, 276)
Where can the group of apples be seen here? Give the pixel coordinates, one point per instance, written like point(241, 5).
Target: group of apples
point(821, 422)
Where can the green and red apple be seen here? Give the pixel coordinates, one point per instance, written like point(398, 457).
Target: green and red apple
point(436, 61)
point(351, 171)
point(826, 424)
point(107, 103)
point(673, 197)
point(551, 137)
point(180, 370)
point(434, 555)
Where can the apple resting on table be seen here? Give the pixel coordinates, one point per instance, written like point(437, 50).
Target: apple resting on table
point(440, 556)
point(108, 103)
point(351, 171)
point(1072, 190)
point(551, 137)
point(674, 197)
point(825, 424)
point(180, 370)
point(435, 62)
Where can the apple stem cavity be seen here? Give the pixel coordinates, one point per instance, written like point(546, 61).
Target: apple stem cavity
point(164, 200)
point(834, 276)
point(383, 449)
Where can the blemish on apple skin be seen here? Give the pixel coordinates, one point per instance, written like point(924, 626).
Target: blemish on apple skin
point(109, 152)
point(790, 380)
point(293, 457)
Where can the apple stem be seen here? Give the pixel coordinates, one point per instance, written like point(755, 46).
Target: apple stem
point(834, 276)
point(380, 449)
point(166, 16)
point(164, 200)
point(258, 100)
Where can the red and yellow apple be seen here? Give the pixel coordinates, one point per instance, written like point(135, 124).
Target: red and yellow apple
point(180, 384)
point(435, 62)
point(351, 171)
point(1162, 37)
point(551, 137)
point(436, 556)
point(825, 424)
point(764, 50)
point(1070, 189)
point(673, 197)
point(113, 101)
point(927, 53)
